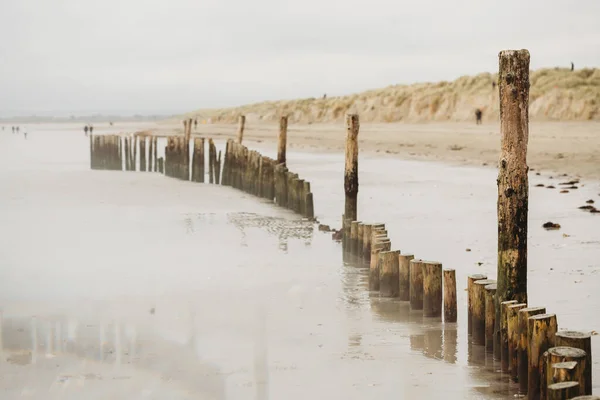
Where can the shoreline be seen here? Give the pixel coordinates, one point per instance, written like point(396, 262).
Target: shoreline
point(555, 148)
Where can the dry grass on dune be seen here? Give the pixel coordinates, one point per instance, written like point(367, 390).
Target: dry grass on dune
point(555, 94)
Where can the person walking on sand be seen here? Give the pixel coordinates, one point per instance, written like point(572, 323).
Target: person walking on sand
point(572, 66)
point(91, 129)
point(478, 115)
point(196, 124)
point(85, 129)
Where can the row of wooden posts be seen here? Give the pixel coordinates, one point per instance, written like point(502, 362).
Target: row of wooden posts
point(242, 168)
point(547, 363)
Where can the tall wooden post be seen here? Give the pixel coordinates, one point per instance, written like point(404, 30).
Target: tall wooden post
point(282, 143)
point(241, 125)
point(155, 153)
point(513, 187)
point(351, 167)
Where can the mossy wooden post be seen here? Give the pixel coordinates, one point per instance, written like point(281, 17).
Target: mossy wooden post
point(310, 207)
point(513, 186)
point(432, 289)
point(583, 341)
point(490, 316)
point(512, 332)
point(470, 280)
point(302, 206)
point(522, 328)
point(478, 311)
point(196, 160)
point(450, 307)
point(351, 167)
point(161, 165)
point(366, 243)
point(282, 140)
point(201, 161)
point(155, 139)
point(353, 239)
point(143, 154)
point(504, 332)
point(541, 331)
point(359, 243)
point(404, 276)
point(561, 354)
point(416, 284)
point(241, 126)
point(563, 391)
point(388, 275)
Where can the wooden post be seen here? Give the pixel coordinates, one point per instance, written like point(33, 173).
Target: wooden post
point(161, 165)
point(150, 152)
point(211, 163)
point(416, 284)
point(583, 341)
point(359, 243)
point(353, 238)
point(450, 295)
point(134, 148)
point(561, 354)
point(377, 245)
point(143, 154)
point(563, 391)
point(310, 208)
point(470, 280)
point(155, 139)
point(490, 316)
point(282, 140)
point(241, 125)
point(513, 186)
point(196, 161)
point(127, 158)
point(504, 333)
point(432, 289)
point(366, 243)
point(218, 168)
point(567, 371)
point(388, 275)
point(404, 276)
point(523, 363)
point(478, 310)
point(512, 332)
point(541, 331)
point(351, 167)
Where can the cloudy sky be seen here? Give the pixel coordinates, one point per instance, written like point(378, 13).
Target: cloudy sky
point(166, 56)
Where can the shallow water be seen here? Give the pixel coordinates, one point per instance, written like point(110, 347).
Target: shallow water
point(226, 296)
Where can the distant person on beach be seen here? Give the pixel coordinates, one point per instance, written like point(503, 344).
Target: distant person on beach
point(572, 66)
point(478, 114)
point(324, 96)
point(17, 129)
point(91, 129)
point(196, 123)
point(493, 84)
point(111, 124)
point(85, 129)
point(25, 134)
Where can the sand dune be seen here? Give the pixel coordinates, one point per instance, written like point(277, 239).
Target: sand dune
point(556, 94)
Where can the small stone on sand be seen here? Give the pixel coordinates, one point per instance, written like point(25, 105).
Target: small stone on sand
point(551, 226)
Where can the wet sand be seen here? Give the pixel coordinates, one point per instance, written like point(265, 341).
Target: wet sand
point(235, 281)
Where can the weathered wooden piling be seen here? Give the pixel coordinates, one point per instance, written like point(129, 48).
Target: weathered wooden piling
point(150, 153)
point(503, 333)
point(196, 166)
point(522, 351)
point(478, 311)
point(470, 280)
point(351, 167)
point(563, 391)
point(490, 316)
point(282, 140)
point(388, 275)
point(155, 140)
point(353, 238)
point(126, 151)
point(583, 341)
point(310, 208)
point(134, 147)
point(218, 168)
point(143, 154)
point(359, 243)
point(377, 245)
point(161, 165)
point(561, 354)
point(513, 187)
point(404, 276)
point(541, 331)
point(416, 284)
point(211, 161)
point(512, 333)
point(450, 308)
point(241, 126)
point(432, 289)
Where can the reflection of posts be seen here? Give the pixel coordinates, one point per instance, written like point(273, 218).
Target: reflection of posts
point(432, 346)
point(450, 338)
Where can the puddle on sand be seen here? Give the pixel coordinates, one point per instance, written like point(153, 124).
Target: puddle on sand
point(99, 249)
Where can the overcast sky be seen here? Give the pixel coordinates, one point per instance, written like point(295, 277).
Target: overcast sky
point(166, 56)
